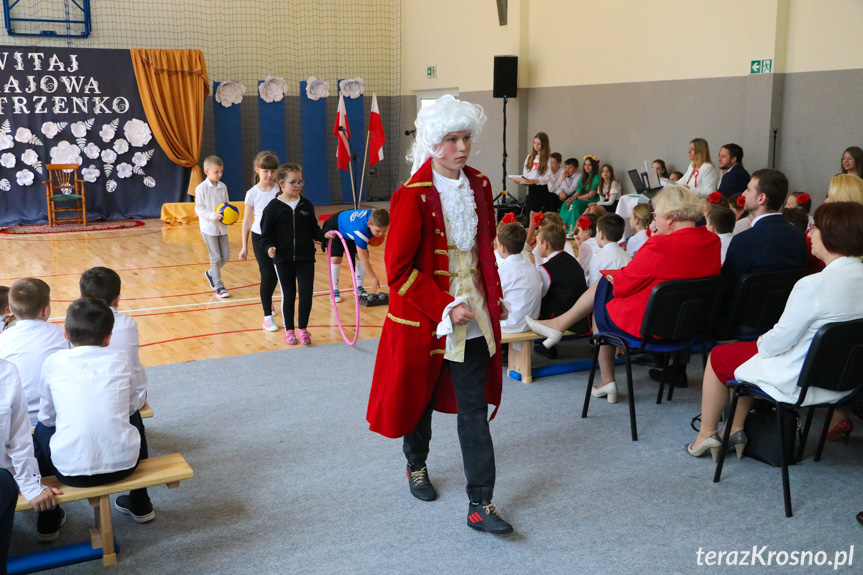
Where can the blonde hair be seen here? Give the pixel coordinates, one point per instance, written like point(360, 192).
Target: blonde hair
point(680, 203)
point(213, 161)
point(702, 152)
point(643, 213)
point(846, 188)
point(544, 150)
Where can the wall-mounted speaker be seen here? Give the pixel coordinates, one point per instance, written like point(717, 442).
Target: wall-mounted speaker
point(505, 77)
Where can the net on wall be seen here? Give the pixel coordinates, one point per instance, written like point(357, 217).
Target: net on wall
point(248, 40)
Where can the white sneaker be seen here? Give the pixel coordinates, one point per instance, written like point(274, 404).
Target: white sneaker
point(269, 324)
point(609, 391)
point(222, 292)
point(336, 297)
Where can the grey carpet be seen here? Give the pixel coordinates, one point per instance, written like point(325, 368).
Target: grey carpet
point(288, 479)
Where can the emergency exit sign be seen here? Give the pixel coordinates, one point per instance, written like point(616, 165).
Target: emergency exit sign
point(761, 66)
point(431, 72)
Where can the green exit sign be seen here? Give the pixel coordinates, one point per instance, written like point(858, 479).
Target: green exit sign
point(761, 66)
point(431, 72)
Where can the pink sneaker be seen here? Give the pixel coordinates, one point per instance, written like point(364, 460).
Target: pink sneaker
point(305, 337)
point(290, 337)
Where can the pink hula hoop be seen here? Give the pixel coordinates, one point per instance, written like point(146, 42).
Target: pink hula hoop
point(332, 288)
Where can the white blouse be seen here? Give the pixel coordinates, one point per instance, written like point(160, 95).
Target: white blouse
point(533, 173)
point(703, 181)
point(608, 197)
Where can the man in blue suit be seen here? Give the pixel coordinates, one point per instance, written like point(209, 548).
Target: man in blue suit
point(735, 177)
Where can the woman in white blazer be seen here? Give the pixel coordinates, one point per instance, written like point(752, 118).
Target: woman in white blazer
point(701, 177)
point(775, 360)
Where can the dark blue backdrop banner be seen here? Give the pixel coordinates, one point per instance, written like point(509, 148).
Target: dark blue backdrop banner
point(229, 145)
point(271, 126)
point(78, 106)
point(313, 124)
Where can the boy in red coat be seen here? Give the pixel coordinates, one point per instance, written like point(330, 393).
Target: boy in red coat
point(440, 346)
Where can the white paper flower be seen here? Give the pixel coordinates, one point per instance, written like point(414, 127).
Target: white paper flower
point(79, 129)
point(317, 88)
point(6, 142)
point(137, 133)
point(353, 88)
point(124, 170)
point(230, 93)
point(23, 135)
point(90, 174)
point(50, 129)
point(92, 151)
point(107, 133)
point(29, 157)
point(24, 177)
point(7, 160)
point(65, 153)
point(273, 89)
point(140, 159)
point(121, 146)
point(109, 156)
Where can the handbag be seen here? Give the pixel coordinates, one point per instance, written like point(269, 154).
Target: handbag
point(763, 434)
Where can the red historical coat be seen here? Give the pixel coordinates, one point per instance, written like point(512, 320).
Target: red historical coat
point(409, 365)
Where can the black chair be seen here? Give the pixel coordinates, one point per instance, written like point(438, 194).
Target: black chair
point(834, 362)
point(758, 301)
point(679, 314)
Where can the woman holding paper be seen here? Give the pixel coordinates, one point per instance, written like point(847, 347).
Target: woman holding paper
point(536, 175)
point(701, 177)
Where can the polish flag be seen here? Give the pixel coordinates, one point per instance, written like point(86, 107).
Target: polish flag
point(376, 134)
point(343, 131)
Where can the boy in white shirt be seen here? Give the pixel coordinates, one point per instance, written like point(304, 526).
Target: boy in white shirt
point(90, 431)
point(569, 180)
point(610, 256)
point(721, 221)
point(556, 181)
point(32, 339)
point(519, 279)
point(18, 467)
point(104, 284)
point(209, 195)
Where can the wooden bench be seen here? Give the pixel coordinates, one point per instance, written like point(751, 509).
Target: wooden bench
point(520, 350)
point(146, 410)
point(164, 470)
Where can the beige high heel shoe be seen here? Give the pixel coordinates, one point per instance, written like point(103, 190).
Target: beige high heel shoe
point(552, 336)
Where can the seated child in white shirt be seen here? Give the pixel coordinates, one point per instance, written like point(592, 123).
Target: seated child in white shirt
point(642, 215)
point(18, 467)
point(104, 284)
point(585, 239)
point(90, 431)
point(609, 231)
point(32, 339)
point(721, 221)
point(519, 279)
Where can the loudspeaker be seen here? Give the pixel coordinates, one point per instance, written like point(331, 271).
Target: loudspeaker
point(505, 76)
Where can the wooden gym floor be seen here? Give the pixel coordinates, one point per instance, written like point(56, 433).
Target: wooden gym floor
point(179, 317)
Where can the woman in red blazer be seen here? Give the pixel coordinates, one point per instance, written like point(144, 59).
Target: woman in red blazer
point(678, 250)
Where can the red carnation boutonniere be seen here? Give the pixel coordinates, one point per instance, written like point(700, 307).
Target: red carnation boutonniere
point(803, 198)
point(508, 218)
point(714, 198)
point(741, 202)
point(584, 223)
point(537, 219)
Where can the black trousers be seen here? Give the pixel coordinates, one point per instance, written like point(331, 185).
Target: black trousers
point(539, 199)
point(477, 450)
point(8, 499)
point(293, 276)
point(42, 450)
point(268, 274)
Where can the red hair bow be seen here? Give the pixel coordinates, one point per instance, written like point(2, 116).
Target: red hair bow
point(537, 219)
point(741, 202)
point(714, 198)
point(803, 198)
point(584, 223)
point(508, 218)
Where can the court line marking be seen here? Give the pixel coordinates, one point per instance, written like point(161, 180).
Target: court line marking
point(233, 332)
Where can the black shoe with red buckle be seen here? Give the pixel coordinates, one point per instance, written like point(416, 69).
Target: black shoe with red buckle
point(420, 484)
point(484, 517)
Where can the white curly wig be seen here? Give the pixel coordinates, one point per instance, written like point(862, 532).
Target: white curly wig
point(436, 121)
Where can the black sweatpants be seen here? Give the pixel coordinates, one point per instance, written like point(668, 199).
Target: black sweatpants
point(293, 276)
point(268, 274)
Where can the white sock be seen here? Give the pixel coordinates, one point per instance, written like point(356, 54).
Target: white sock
point(361, 273)
point(268, 317)
point(335, 269)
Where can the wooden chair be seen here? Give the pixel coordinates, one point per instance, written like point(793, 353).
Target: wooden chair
point(63, 187)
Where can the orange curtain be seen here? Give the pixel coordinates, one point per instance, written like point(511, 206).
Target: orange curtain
point(173, 85)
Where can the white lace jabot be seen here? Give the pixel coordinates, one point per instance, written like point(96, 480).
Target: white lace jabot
point(459, 206)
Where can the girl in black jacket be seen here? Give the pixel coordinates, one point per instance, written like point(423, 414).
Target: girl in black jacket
point(289, 229)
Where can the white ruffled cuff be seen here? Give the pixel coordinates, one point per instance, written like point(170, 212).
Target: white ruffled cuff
point(444, 328)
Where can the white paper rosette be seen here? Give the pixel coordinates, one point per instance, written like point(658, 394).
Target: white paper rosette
point(65, 153)
point(121, 146)
point(352, 88)
point(92, 151)
point(107, 133)
point(109, 156)
point(24, 177)
point(50, 129)
point(6, 142)
point(273, 89)
point(23, 135)
point(90, 174)
point(317, 88)
point(79, 129)
point(137, 133)
point(140, 159)
point(29, 157)
point(124, 170)
point(7, 160)
point(230, 93)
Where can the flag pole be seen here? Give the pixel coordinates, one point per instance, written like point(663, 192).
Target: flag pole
point(363, 174)
point(353, 187)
